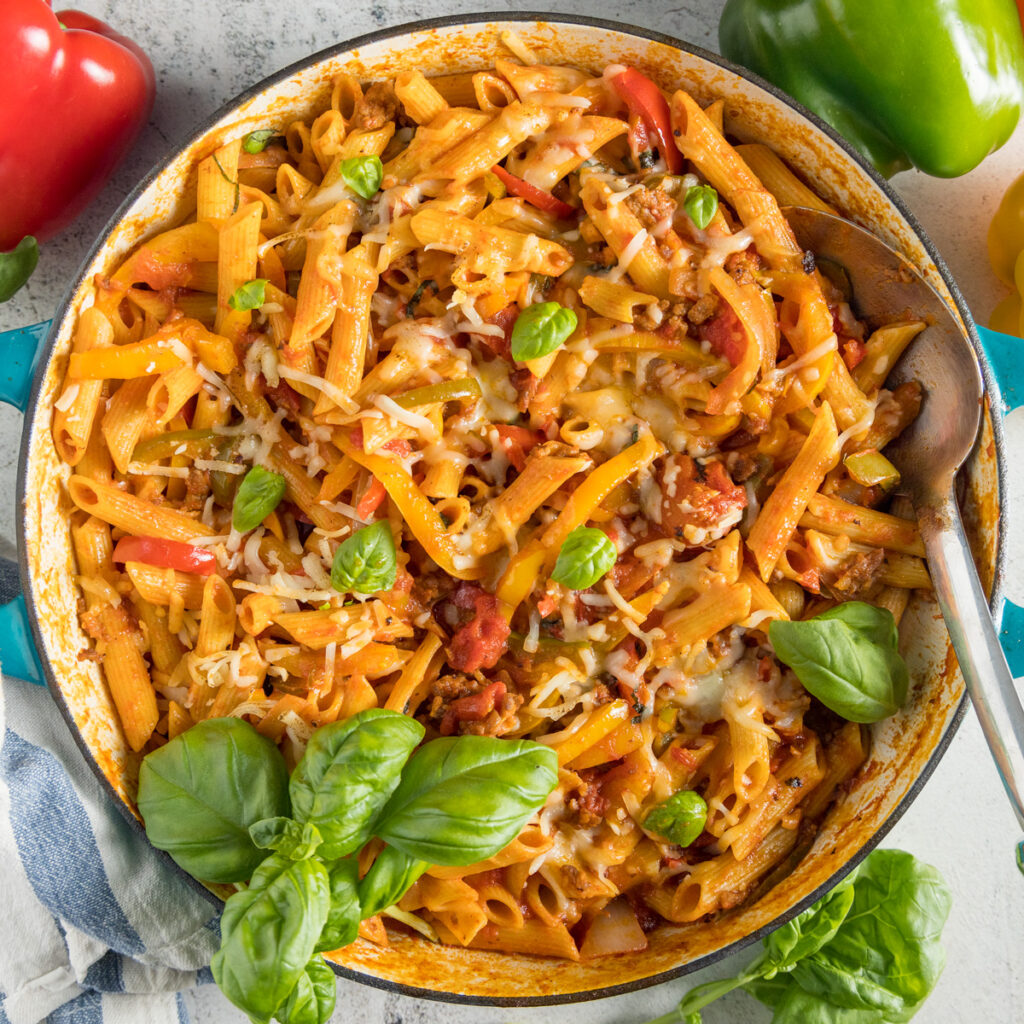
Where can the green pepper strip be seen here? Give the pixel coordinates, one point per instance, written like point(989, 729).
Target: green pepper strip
point(446, 391)
point(197, 444)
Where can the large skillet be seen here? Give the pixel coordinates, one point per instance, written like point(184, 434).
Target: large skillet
point(905, 749)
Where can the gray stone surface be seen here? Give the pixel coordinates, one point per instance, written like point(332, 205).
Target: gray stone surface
point(205, 52)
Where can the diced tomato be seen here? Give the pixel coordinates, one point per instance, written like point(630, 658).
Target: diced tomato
point(482, 640)
point(546, 606)
point(473, 708)
point(854, 351)
point(371, 500)
point(685, 757)
point(501, 345)
point(725, 334)
point(644, 99)
point(284, 394)
point(516, 442)
point(169, 554)
point(697, 496)
point(534, 196)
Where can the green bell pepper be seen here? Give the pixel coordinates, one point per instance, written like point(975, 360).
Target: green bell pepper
point(933, 84)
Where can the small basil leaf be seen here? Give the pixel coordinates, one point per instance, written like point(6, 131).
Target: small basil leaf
point(257, 141)
point(701, 204)
point(585, 556)
point(199, 793)
point(847, 658)
point(342, 925)
point(268, 932)
point(886, 955)
point(259, 493)
point(388, 880)
point(312, 1000)
point(366, 562)
point(540, 329)
point(250, 295)
point(347, 773)
point(17, 265)
point(285, 836)
point(462, 799)
point(680, 818)
point(362, 174)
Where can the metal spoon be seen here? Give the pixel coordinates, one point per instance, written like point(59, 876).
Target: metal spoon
point(928, 455)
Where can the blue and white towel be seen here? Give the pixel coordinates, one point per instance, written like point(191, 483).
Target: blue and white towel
point(94, 927)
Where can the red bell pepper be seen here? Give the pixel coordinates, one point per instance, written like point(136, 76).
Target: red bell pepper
point(644, 99)
point(73, 97)
point(168, 554)
point(534, 196)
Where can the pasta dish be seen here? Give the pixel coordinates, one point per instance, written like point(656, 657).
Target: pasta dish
point(506, 401)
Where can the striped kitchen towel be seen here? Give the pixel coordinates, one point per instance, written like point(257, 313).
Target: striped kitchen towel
point(94, 927)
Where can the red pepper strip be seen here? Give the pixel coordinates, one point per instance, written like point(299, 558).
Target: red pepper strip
point(534, 196)
point(644, 99)
point(169, 554)
point(371, 500)
point(92, 89)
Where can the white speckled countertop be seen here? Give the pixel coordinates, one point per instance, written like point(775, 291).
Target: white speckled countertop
point(206, 52)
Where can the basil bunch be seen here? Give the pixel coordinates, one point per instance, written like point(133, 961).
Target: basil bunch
point(869, 952)
point(847, 657)
point(218, 799)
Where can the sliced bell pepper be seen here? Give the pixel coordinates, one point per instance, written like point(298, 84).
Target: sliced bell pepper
point(645, 100)
point(168, 554)
point(534, 196)
point(934, 84)
point(75, 96)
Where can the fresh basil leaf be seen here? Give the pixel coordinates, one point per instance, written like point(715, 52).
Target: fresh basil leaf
point(540, 329)
point(259, 493)
point(680, 818)
point(312, 1000)
point(16, 266)
point(847, 658)
point(362, 174)
point(887, 954)
point(268, 933)
point(257, 141)
point(869, 952)
point(809, 931)
point(343, 919)
point(347, 774)
point(585, 556)
point(388, 880)
point(285, 836)
point(199, 793)
point(250, 295)
point(366, 562)
point(701, 204)
point(462, 799)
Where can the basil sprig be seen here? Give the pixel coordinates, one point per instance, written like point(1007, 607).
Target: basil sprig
point(250, 295)
point(540, 329)
point(16, 266)
point(218, 798)
point(585, 556)
point(847, 657)
point(701, 204)
point(366, 562)
point(259, 493)
point(362, 174)
point(680, 818)
point(868, 952)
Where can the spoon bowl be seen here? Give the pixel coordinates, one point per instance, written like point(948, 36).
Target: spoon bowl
point(888, 288)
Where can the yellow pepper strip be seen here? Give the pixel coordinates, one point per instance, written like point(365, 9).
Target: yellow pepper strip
point(423, 519)
point(596, 488)
point(519, 577)
point(593, 727)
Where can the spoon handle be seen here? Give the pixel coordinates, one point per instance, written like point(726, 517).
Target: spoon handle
point(974, 638)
